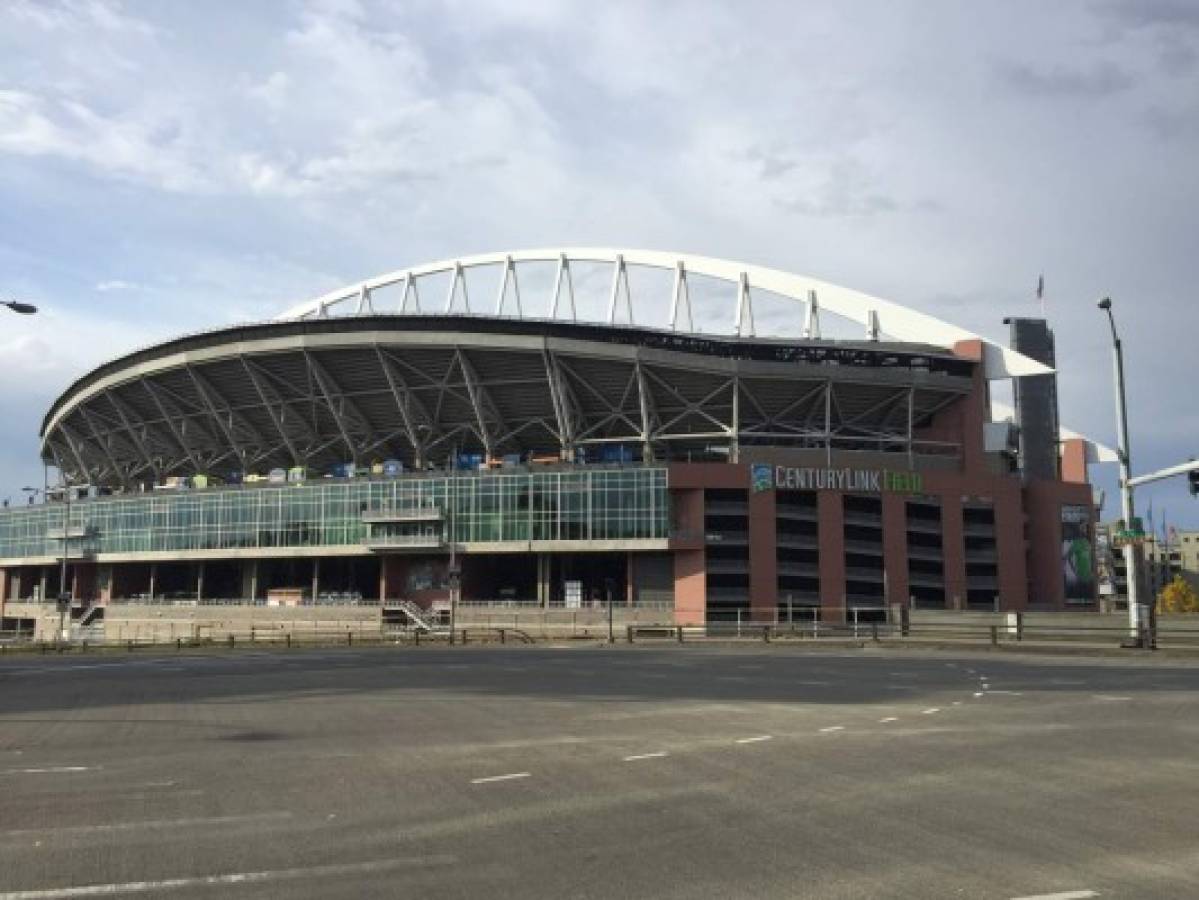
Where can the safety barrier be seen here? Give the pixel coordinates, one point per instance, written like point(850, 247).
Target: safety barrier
point(1014, 632)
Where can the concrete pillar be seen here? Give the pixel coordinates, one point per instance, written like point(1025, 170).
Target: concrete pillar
point(41, 589)
point(630, 570)
point(3, 586)
point(690, 587)
point(895, 548)
point(763, 560)
point(104, 580)
point(831, 530)
point(544, 570)
point(1010, 550)
point(953, 550)
point(200, 580)
point(153, 578)
point(316, 578)
point(249, 579)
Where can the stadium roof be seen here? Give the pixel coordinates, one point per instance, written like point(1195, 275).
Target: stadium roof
point(742, 281)
point(317, 391)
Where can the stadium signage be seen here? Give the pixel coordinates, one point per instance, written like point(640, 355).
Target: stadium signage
point(811, 478)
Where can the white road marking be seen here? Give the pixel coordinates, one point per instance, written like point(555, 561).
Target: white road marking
point(889, 719)
point(1010, 693)
point(930, 710)
point(832, 728)
point(491, 778)
point(1110, 697)
point(1061, 895)
point(141, 887)
point(638, 756)
point(49, 770)
point(957, 702)
point(150, 823)
point(754, 740)
point(978, 693)
point(815, 683)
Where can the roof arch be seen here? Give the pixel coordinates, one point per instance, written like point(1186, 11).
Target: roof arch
point(1096, 452)
point(878, 316)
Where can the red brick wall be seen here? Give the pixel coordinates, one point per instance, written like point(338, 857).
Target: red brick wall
point(895, 548)
point(831, 534)
point(690, 587)
point(763, 562)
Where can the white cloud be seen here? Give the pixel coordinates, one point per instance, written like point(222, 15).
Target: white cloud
point(239, 163)
point(115, 284)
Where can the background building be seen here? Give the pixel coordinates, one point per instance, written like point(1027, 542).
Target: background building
point(366, 448)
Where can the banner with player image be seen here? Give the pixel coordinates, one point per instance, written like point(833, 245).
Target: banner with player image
point(1078, 557)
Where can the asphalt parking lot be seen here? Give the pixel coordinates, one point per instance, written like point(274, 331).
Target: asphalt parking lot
point(535, 772)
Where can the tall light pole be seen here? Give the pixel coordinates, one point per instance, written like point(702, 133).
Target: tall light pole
point(25, 309)
point(1126, 502)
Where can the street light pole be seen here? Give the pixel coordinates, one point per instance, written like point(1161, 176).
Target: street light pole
point(454, 579)
point(1123, 451)
point(25, 309)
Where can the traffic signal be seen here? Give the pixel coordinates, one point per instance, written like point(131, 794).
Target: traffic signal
point(1193, 482)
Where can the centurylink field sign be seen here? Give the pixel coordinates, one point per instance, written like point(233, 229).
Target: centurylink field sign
point(764, 476)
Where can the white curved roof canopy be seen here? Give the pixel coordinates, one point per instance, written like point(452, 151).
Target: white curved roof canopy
point(1096, 452)
point(877, 315)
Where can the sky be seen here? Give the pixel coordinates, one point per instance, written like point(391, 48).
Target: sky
point(169, 166)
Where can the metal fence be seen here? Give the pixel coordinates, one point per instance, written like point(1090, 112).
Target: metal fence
point(644, 626)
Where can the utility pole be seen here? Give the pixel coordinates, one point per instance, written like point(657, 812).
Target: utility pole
point(454, 577)
point(1126, 501)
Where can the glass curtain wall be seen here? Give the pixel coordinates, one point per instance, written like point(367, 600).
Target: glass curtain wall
point(625, 503)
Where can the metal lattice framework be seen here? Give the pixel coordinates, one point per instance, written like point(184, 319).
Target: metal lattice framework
point(417, 387)
point(878, 317)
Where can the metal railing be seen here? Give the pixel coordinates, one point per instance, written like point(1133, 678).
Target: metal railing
point(808, 624)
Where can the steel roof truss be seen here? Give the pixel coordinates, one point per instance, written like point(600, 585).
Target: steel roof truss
point(139, 441)
point(102, 440)
point(269, 404)
point(173, 426)
point(206, 392)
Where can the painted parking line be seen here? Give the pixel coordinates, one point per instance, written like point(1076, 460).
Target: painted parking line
point(1060, 895)
point(508, 777)
point(231, 878)
point(832, 728)
point(153, 824)
point(49, 770)
point(638, 756)
point(930, 710)
point(889, 719)
point(754, 740)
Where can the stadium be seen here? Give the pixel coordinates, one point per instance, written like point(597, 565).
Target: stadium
point(391, 445)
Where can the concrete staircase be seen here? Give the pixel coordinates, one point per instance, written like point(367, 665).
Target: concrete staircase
point(417, 617)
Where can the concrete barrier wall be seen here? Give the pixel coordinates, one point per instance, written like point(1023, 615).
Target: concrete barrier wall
point(136, 622)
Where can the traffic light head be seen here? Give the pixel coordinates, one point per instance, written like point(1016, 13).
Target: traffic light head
point(1193, 482)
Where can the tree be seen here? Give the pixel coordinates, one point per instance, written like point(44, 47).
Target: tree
point(1178, 597)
